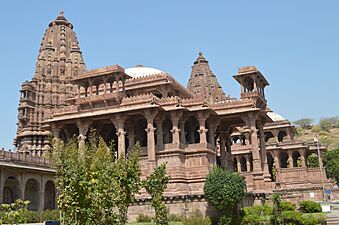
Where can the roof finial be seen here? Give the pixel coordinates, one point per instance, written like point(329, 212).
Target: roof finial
point(61, 13)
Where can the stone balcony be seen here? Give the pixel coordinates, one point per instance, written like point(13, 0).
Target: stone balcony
point(238, 149)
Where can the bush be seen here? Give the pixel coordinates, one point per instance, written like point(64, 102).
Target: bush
point(50, 215)
point(316, 129)
point(144, 218)
point(287, 206)
point(325, 124)
point(292, 217)
point(256, 215)
point(225, 220)
point(312, 161)
point(314, 219)
point(309, 207)
point(223, 189)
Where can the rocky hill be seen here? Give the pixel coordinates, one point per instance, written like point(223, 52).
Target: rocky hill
point(327, 131)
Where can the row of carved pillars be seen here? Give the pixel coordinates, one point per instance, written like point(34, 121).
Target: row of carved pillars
point(178, 131)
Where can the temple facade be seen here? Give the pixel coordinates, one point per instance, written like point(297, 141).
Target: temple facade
point(191, 129)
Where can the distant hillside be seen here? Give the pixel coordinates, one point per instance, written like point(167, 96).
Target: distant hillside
point(327, 131)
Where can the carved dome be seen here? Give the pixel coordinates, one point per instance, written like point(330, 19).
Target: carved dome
point(141, 71)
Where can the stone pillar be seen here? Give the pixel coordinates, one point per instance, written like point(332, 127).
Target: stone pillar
point(288, 133)
point(302, 158)
point(290, 159)
point(119, 123)
point(275, 134)
point(211, 133)
point(248, 163)
point(264, 163)
point(160, 137)
point(83, 129)
point(202, 117)
point(131, 138)
point(41, 194)
point(175, 117)
point(222, 149)
point(182, 131)
point(150, 115)
point(251, 124)
point(238, 164)
point(276, 159)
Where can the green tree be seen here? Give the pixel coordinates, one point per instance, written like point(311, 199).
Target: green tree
point(95, 187)
point(223, 189)
point(312, 161)
point(155, 185)
point(305, 123)
point(331, 164)
point(325, 124)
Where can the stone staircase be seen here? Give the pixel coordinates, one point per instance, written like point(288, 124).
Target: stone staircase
point(333, 217)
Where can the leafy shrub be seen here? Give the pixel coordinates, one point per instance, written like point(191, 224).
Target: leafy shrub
point(325, 124)
point(50, 215)
point(256, 215)
point(225, 220)
point(292, 218)
point(313, 219)
point(223, 189)
point(309, 206)
point(287, 206)
point(144, 218)
point(316, 129)
point(312, 161)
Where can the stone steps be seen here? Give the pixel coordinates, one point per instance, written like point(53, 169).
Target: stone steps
point(333, 221)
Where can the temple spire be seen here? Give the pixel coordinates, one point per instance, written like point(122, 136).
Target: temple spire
point(59, 61)
point(203, 83)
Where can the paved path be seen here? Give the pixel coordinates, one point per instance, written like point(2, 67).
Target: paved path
point(333, 216)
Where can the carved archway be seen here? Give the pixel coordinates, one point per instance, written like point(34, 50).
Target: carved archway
point(32, 194)
point(49, 197)
point(11, 190)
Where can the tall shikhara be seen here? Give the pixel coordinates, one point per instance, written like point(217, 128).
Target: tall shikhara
point(203, 83)
point(59, 61)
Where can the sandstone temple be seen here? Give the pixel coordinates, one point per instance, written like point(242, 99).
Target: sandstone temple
point(192, 129)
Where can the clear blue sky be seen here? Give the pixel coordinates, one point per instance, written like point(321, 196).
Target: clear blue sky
point(295, 44)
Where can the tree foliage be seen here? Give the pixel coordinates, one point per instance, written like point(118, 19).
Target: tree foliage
point(305, 123)
point(223, 189)
point(312, 161)
point(13, 213)
point(331, 163)
point(95, 187)
point(155, 185)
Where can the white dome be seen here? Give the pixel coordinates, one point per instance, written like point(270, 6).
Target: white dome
point(141, 71)
point(275, 116)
